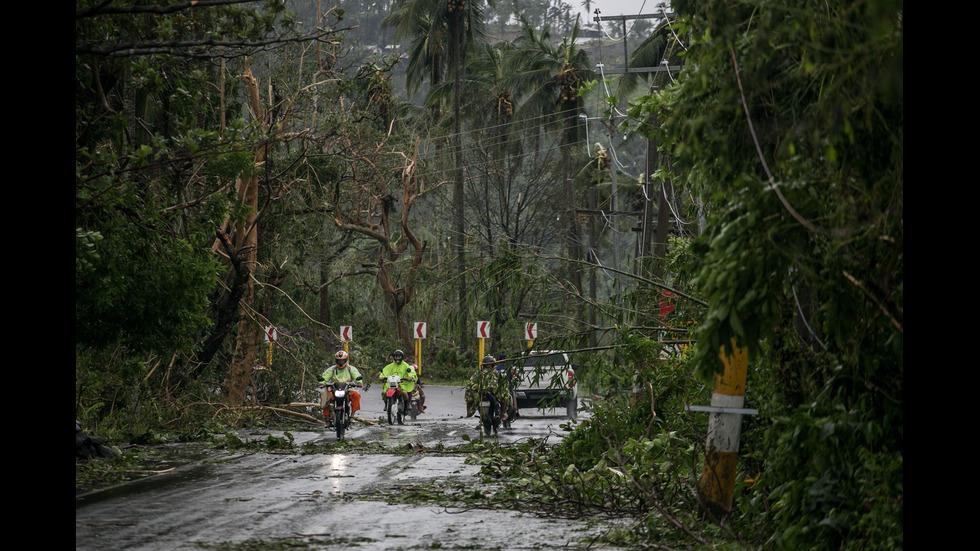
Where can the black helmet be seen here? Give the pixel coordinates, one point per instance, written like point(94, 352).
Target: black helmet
point(397, 355)
point(488, 360)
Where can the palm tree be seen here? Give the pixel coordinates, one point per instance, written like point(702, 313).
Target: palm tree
point(548, 83)
point(438, 27)
point(548, 75)
point(437, 31)
point(421, 23)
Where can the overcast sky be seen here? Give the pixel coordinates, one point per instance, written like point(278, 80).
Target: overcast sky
point(621, 7)
point(618, 7)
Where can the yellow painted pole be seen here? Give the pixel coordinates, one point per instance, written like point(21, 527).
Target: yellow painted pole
point(717, 484)
point(480, 358)
point(418, 356)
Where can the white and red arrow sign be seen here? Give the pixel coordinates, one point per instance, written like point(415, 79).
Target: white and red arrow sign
point(530, 331)
point(270, 334)
point(346, 333)
point(483, 329)
point(419, 330)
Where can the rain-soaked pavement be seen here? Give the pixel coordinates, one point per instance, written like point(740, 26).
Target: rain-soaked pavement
point(312, 501)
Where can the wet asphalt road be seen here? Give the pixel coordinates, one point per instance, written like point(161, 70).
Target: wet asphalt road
point(313, 499)
point(445, 421)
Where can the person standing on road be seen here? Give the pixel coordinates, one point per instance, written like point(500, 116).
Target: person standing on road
point(400, 368)
point(507, 372)
point(340, 372)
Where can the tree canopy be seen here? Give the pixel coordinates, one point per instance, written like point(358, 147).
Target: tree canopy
point(789, 117)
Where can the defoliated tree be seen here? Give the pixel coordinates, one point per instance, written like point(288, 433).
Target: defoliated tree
point(165, 159)
point(439, 28)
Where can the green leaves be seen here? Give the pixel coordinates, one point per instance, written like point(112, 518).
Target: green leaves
point(846, 482)
point(789, 117)
point(135, 284)
point(86, 253)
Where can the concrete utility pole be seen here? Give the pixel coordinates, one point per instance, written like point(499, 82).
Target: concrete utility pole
point(644, 247)
point(717, 485)
point(613, 204)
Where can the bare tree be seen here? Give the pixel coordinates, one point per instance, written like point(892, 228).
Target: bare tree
point(377, 203)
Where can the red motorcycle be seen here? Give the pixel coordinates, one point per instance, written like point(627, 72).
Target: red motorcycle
point(394, 400)
point(399, 403)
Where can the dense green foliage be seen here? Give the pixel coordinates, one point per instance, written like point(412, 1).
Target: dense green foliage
point(147, 146)
point(162, 139)
point(789, 117)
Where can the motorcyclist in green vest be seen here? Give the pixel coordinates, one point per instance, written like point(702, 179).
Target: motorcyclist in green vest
point(401, 368)
point(344, 372)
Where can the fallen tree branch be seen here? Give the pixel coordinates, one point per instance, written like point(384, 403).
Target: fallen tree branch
point(152, 472)
point(282, 410)
point(303, 415)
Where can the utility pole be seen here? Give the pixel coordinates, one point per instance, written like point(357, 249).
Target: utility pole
point(663, 212)
point(613, 204)
point(623, 18)
point(717, 487)
point(646, 233)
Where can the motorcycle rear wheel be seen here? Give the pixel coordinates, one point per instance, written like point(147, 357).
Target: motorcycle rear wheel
point(401, 412)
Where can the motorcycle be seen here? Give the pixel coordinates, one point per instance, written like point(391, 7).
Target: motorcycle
point(490, 413)
point(394, 400)
point(399, 403)
point(414, 403)
point(341, 411)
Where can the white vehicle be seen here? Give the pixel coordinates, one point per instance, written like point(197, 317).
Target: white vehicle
point(545, 380)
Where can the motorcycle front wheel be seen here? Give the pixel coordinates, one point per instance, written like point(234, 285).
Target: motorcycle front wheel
point(391, 410)
point(340, 419)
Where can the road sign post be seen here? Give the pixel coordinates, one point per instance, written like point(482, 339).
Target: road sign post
point(419, 332)
point(346, 335)
point(530, 333)
point(270, 337)
point(482, 333)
